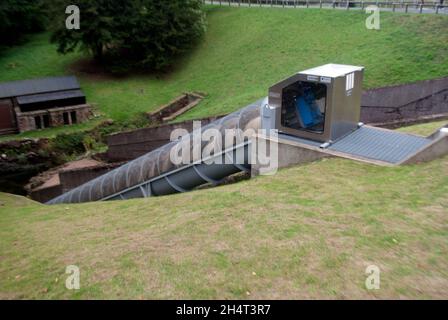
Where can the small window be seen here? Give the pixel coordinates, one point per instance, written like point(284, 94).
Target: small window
point(65, 116)
point(303, 106)
point(73, 116)
point(38, 122)
point(46, 120)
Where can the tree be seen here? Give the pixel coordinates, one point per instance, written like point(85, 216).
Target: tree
point(133, 33)
point(19, 17)
point(96, 31)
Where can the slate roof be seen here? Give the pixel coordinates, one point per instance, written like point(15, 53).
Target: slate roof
point(36, 86)
point(51, 96)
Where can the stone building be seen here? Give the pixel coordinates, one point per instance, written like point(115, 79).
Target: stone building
point(41, 103)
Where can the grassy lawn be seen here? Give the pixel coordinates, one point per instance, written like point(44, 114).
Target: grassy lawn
point(248, 49)
point(424, 129)
point(307, 232)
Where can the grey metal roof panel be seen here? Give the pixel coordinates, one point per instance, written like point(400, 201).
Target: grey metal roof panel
point(34, 86)
point(52, 96)
point(379, 144)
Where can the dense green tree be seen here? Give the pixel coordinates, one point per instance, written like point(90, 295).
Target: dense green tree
point(127, 34)
point(97, 26)
point(18, 17)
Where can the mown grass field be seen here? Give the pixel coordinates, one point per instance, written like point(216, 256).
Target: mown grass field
point(307, 232)
point(245, 51)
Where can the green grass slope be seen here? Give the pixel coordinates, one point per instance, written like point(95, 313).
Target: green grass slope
point(307, 232)
point(248, 49)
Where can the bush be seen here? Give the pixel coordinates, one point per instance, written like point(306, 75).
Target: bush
point(69, 144)
point(19, 17)
point(134, 33)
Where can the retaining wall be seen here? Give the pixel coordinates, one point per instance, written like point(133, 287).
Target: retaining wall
point(70, 179)
point(129, 145)
point(405, 103)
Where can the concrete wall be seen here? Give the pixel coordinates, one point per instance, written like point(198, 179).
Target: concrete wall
point(406, 103)
point(129, 145)
point(175, 108)
point(46, 194)
point(291, 153)
point(438, 148)
point(71, 179)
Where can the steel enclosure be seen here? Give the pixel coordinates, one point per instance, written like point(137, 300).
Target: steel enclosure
point(343, 100)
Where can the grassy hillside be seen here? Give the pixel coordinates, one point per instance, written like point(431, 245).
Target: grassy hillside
point(248, 49)
point(308, 232)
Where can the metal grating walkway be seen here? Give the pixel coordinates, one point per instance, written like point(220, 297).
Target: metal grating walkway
point(378, 144)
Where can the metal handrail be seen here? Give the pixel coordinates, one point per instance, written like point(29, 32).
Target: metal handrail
point(435, 5)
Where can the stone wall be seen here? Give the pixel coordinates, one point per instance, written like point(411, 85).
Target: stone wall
point(26, 121)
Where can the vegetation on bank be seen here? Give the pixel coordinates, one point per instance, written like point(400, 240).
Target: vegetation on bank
point(126, 35)
point(20, 18)
point(244, 51)
point(309, 231)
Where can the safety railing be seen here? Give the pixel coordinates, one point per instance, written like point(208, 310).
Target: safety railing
point(436, 6)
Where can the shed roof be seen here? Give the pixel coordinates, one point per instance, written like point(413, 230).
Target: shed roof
point(50, 96)
point(35, 86)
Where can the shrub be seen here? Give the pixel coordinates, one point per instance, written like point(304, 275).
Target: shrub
point(19, 17)
point(69, 144)
point(127, 34)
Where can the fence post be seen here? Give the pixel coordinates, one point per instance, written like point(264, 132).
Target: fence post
point(437, 8)
point(406, 8)
point(348, 5)
point(421, 8)
point(307, 3)
point(362, 5)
